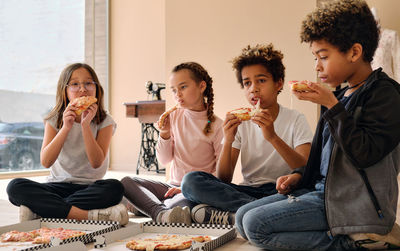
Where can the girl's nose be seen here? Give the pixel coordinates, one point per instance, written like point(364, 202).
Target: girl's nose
point(317, 66)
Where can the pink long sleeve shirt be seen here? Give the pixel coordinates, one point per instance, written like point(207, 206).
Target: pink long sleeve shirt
point(189, 149)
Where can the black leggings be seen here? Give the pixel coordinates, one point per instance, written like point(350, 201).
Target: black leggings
point(55, 199)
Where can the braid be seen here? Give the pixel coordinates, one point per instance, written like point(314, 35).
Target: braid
point(200, 74)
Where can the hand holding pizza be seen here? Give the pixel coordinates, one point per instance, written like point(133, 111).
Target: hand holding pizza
point(69, 116)
point(163, 123)
point(286, 183)
point(88, 114)
point(230, 126)
point(265, 121)
point(319, 95)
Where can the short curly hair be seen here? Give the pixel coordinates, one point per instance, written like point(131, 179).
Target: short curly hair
point(343, 23)
point(260, 54)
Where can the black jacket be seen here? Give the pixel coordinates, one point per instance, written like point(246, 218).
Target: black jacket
point(361, 185)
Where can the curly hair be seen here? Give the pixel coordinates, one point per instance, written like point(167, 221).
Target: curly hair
point(342, 24)
point(260, 54)
point(198, 74)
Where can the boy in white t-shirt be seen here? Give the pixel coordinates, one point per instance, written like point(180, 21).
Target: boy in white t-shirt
point(275, 141)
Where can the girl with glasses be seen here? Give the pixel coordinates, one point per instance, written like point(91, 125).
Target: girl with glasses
point(75, 148)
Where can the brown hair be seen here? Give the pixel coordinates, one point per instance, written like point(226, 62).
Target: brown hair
point(260, 54)
point(198, 74)
point(62, 99)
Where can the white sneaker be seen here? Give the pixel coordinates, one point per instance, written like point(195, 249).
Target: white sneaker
point(115, 213)
point(175, 215)
point(205, 214)
point(26, 214)
point(370, 241)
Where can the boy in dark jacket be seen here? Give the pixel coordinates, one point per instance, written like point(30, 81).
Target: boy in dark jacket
point(345, 198)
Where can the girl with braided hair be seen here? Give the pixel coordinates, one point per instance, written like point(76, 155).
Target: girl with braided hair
point(190, 140)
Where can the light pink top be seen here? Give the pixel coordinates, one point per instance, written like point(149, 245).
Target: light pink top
point(189, 149)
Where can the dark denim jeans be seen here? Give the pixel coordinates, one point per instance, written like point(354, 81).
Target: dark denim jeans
point(201, 187)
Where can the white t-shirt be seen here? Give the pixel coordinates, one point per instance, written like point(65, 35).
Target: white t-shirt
point(72, 164)
point(261, 163)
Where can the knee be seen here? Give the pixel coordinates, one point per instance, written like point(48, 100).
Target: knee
point(254, 229)
point(114, 185)
point(129, 181)
point(192, 180)
point(16, 186)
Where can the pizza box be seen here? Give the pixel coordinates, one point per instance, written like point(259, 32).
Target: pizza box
point(92, 229)
point(116, 240)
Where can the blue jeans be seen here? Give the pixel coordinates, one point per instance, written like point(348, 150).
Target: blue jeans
point(297, 222)
point(202, 187)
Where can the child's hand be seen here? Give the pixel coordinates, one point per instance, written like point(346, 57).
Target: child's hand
point(88, 115)
point(172, 192)
point(285, 184)
point(165, 130)
point(69, 116)
point(230, 126)
point(320, 95)
point(265, 121)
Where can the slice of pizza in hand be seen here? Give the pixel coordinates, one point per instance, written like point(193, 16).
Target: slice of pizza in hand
point(246, 113)
point(83, 103)
point(163, 116)
point(300, 86)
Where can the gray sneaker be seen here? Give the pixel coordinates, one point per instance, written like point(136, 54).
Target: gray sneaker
point(26, 214)
point(115, 213)
point(205, 214)
point(175, 215)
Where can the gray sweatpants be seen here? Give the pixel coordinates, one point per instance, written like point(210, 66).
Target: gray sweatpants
point(148, 196)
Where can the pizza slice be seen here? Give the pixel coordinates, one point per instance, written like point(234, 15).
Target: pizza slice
point(83, 103)
point(300, 86)
point(163, 116)
point(246, 113)
point(17, 236)
point(165, 242)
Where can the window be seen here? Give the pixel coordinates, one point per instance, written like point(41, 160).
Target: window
point(38, 38)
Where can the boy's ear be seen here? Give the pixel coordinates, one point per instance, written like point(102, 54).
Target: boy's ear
point(355, 52)
point(279, 84)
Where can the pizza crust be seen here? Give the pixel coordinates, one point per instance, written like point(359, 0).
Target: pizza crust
point(301, 86)
point(246, 113)
point(163, 116)
point(83, 103)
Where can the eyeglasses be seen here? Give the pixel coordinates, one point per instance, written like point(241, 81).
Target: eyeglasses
point(89, 85)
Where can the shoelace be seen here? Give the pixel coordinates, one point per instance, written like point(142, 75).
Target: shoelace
point(219, 217)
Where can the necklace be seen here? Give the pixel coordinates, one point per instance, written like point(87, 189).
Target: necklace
point(354, 86)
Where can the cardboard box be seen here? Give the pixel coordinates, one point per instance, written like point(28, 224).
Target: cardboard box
point(92, 229)
point(116, 240)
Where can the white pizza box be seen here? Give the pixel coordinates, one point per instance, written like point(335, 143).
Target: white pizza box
point(116, 240)
point(92, 229)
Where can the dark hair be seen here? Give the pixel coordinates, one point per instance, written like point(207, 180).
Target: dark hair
point(342, 24)
point(264, 55)
point(198, 74)
point(62, 99)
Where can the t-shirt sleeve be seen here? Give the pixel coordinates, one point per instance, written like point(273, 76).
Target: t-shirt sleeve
point(301, 132)
point(108, 121)
point(52, 121)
